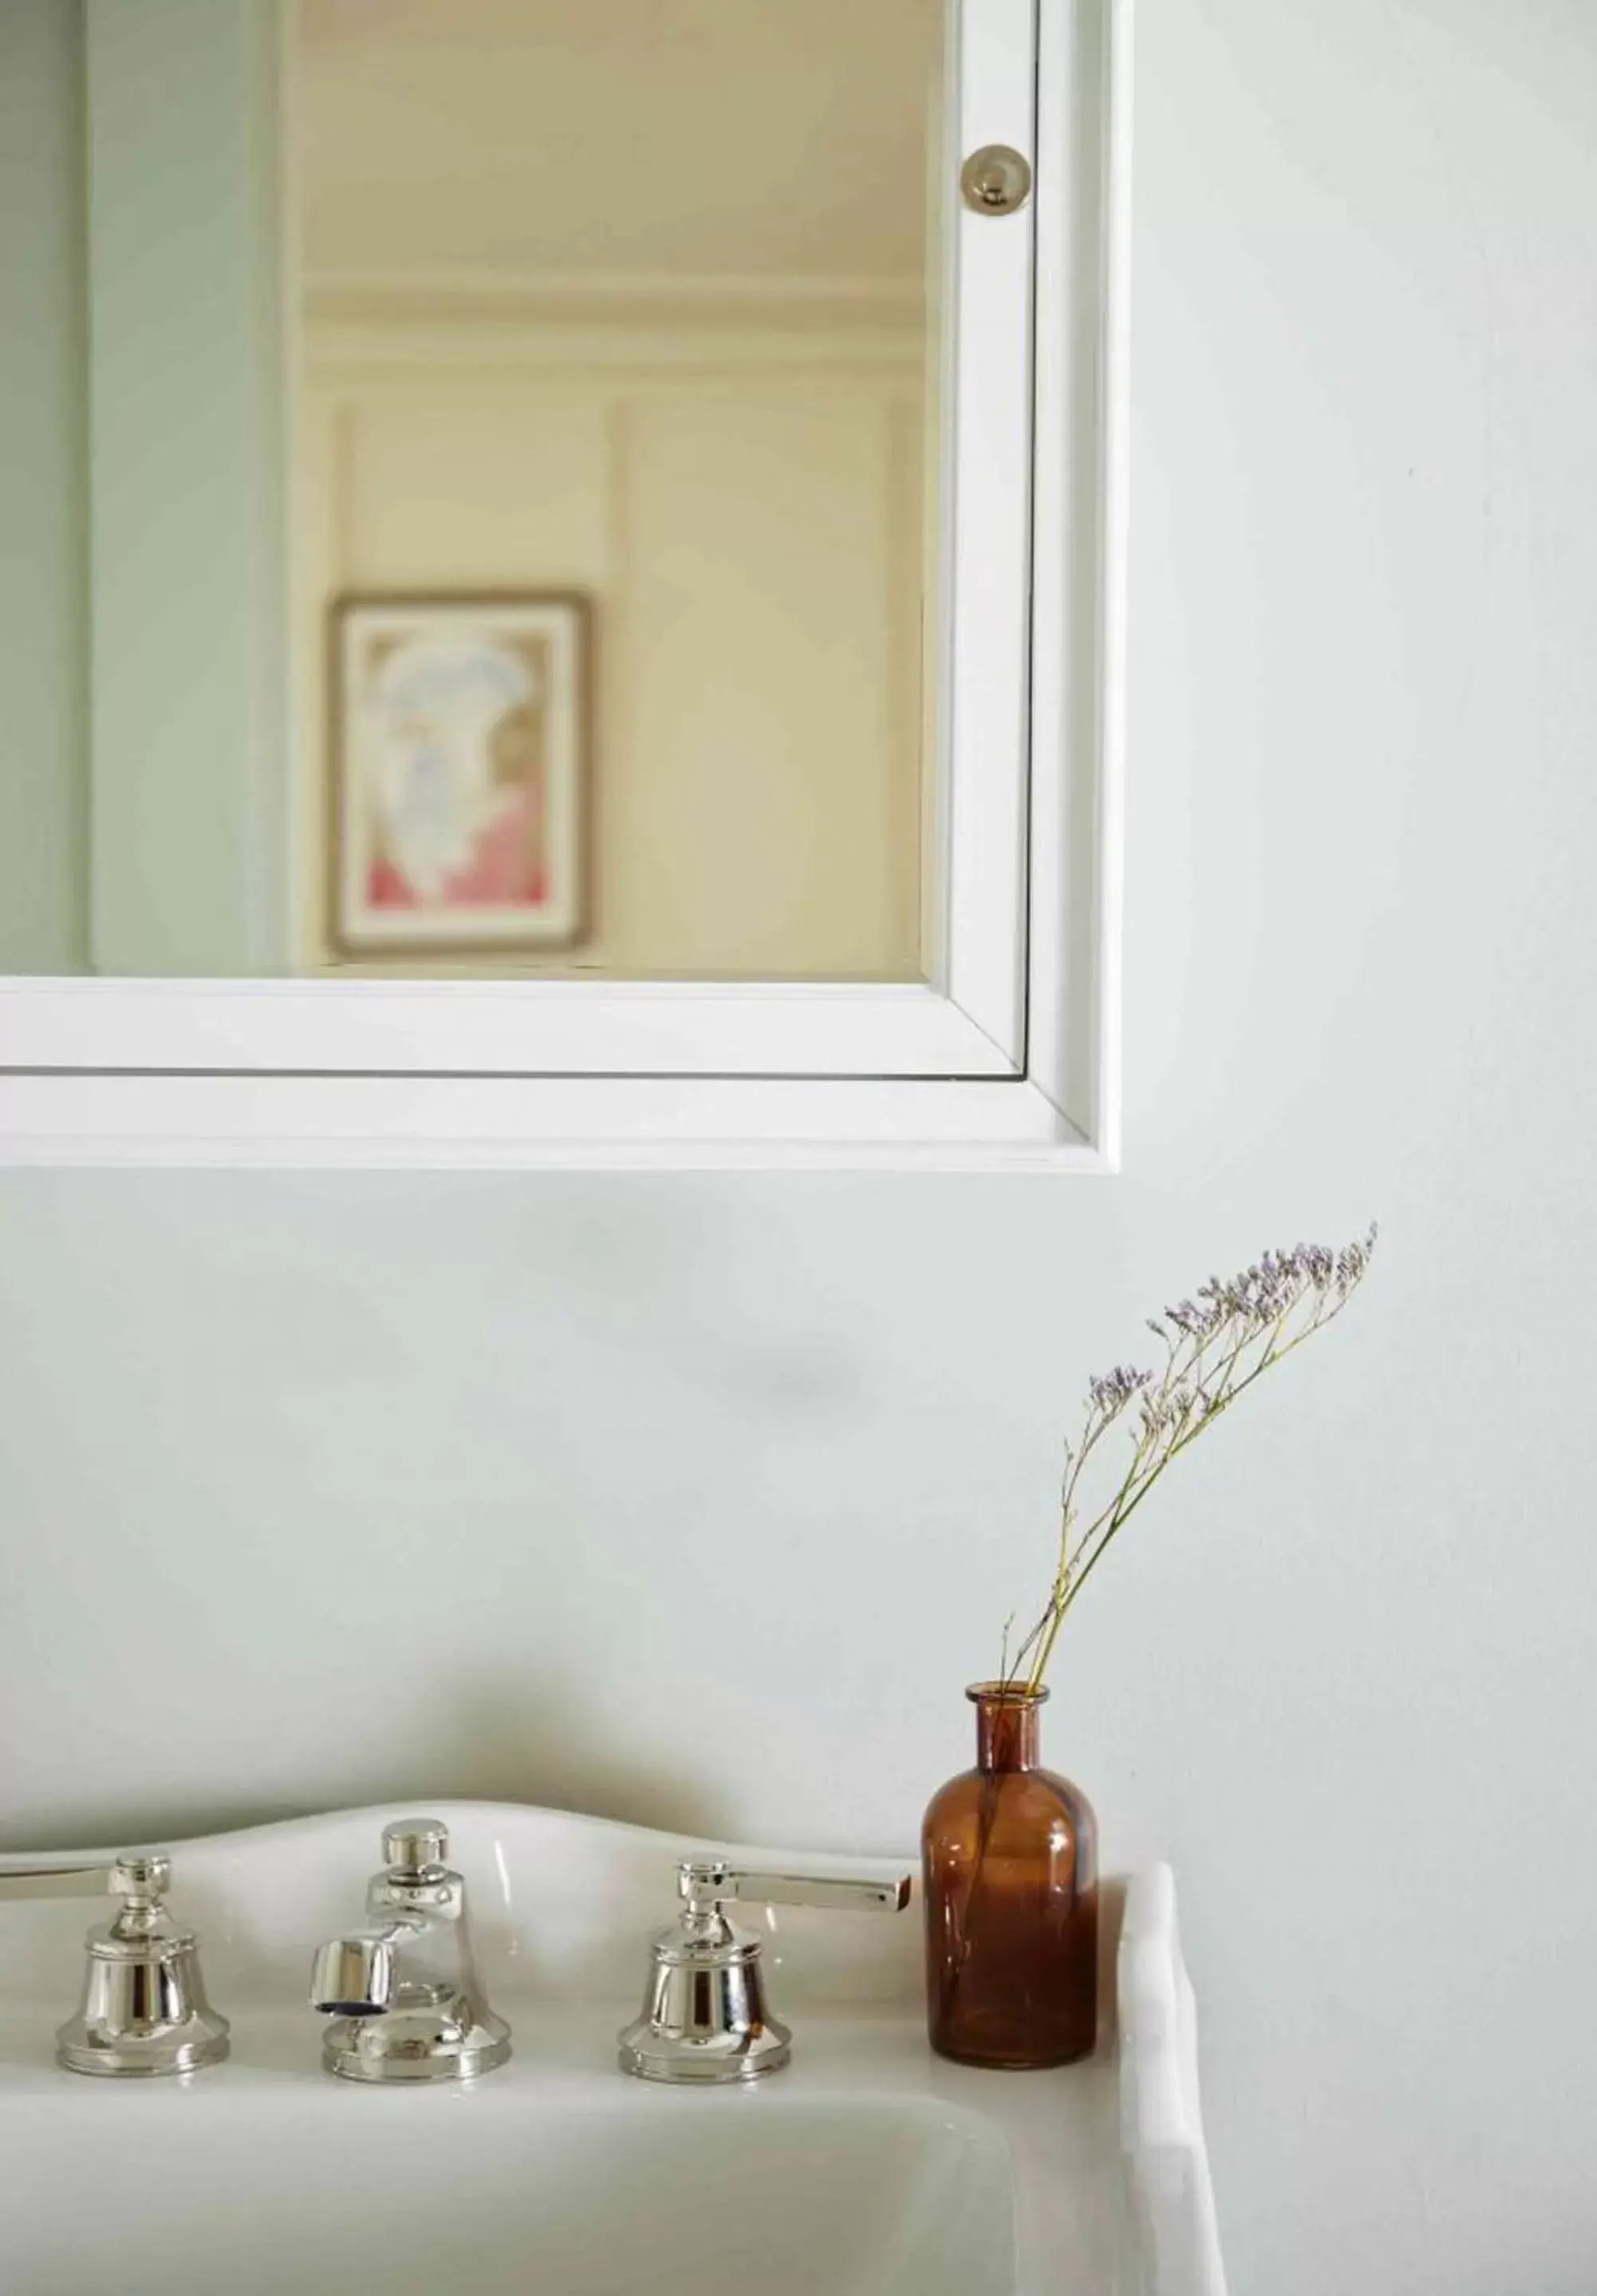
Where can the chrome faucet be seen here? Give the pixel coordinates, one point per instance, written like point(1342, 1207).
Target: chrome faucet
point(705, 2016)
point(144, 2008)
point(402, 1993)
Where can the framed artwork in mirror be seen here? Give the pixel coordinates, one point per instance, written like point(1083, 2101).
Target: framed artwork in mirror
point(458, 746)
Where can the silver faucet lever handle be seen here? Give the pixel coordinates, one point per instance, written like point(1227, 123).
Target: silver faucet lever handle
point(704, 1883)
point(140, 1876)
point(144, 2008)
point(706, 2016)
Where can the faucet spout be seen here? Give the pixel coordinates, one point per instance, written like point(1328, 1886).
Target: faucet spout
point(401, 1992)
point(353, 1976)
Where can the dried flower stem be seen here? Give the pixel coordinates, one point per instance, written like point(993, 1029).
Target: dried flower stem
point(1216, 1347)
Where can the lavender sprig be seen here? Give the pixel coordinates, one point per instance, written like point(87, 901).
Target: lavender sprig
point(1215, 1346)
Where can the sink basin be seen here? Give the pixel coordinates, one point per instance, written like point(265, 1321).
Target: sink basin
point(868, 2167)
point(789, 2198)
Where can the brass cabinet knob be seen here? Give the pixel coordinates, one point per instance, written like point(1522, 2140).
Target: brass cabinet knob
point(995, 180)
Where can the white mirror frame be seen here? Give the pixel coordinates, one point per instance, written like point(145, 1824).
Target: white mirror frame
point(1009, 1057)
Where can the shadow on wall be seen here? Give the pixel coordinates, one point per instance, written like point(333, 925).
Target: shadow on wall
point(533, 1740)
point(515, 1740)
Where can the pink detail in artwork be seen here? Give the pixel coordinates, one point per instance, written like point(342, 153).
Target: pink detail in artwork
point(501, 873)
point(385, 888)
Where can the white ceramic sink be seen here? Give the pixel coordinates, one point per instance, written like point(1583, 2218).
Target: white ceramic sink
point(790, 2198)
point(868, 2167)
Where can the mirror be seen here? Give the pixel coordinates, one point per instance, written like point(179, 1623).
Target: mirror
point(612, 426)
point(566, 585)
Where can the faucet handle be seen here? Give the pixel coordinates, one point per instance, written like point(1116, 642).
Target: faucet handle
point(144, 2008)
point(704, 1883)
point(706, 2016)
point(142, 1876)
point(412, 1844)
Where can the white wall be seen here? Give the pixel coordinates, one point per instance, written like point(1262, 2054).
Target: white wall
point(693, 1500)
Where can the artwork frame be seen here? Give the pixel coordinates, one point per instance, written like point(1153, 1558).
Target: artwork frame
point(458, 753)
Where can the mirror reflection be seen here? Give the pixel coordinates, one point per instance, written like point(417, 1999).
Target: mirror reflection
point(611, 425)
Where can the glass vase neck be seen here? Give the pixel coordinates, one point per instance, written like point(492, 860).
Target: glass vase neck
point(1009, 1725)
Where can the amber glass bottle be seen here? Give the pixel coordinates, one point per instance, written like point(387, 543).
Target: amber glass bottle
point(1010, 1862)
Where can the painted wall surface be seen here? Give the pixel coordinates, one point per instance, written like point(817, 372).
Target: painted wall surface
point(697, 1501)
point(189, 840)
point(43, 875)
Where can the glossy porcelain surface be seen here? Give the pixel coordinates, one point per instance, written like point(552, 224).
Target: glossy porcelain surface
point(866, 2168)
point(559, 2185)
